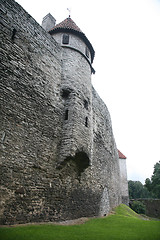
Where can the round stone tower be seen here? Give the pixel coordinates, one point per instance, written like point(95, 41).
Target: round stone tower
point(76, 93)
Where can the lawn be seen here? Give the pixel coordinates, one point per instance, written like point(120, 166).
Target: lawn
point(124, 224)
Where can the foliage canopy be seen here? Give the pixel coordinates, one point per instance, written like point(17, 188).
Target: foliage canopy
point(153, 185)
point(151, 188)
point(137, 190)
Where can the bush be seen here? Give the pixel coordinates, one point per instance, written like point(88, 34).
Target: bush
point(138, 207)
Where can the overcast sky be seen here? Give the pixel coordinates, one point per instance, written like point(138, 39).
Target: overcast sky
point(126, 37)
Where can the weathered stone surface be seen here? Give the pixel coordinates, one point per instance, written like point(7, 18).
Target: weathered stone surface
point(58, 157)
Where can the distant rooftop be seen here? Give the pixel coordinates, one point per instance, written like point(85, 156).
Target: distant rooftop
point(68, 23)
point(121, 155)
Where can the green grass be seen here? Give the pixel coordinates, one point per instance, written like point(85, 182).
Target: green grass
point(124, 224)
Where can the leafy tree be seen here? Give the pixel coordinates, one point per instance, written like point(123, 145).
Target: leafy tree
point(137, 190)
point(148, 184)
point(153, 185)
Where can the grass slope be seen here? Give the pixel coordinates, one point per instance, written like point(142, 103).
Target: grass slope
point(124, 224)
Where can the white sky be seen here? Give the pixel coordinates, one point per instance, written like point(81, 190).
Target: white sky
point(126, 37)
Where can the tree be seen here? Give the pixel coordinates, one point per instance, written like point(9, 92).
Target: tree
point(153, 185)
point(148, 184)
point(137, 190)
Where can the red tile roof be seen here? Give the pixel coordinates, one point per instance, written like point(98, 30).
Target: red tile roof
point(121, 155)
point(68, 25)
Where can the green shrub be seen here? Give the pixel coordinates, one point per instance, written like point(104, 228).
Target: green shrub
point(138, 207)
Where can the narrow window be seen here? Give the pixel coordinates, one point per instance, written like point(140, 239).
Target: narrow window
point(65, 39)
point(86, 121)
point(85, 104)
point(66, 115)
point(87, 52)
point(65, 93)
point(13, 34)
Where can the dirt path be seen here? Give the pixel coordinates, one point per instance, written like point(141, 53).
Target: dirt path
point(64, 223)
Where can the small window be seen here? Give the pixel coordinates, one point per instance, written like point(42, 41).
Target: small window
point(86, 121)
point(65, 39)
point(86, 104)
point(65, 93)
point(66, 115)
point(87, 52)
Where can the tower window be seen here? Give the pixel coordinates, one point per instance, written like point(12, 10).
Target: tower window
point(66, 115)
point(87, 52)
point(65, 39)
point(65, 93)
point(86, 121)
point(85, 104)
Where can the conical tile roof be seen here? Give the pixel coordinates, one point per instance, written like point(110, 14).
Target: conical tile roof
point(68, 23)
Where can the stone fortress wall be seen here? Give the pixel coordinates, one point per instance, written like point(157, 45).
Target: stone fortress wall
point(58, 157)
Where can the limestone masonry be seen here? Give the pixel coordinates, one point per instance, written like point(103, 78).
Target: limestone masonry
point(58, 157)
